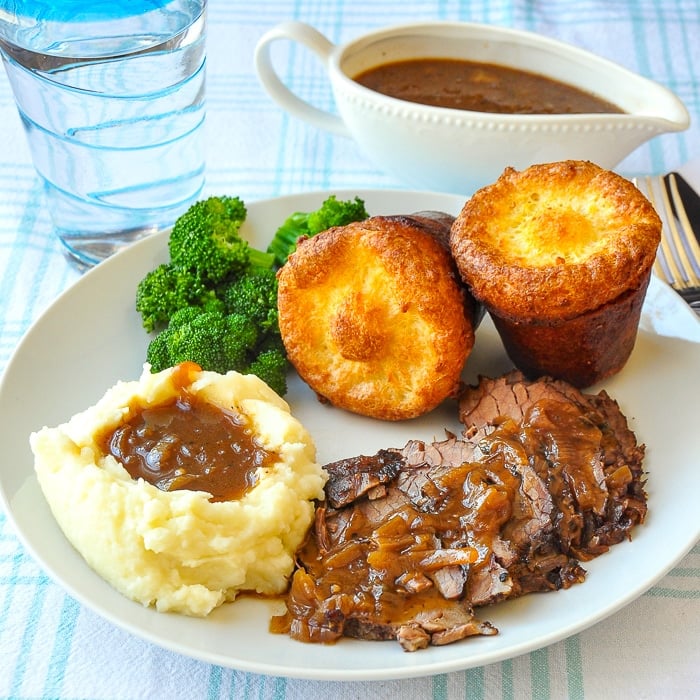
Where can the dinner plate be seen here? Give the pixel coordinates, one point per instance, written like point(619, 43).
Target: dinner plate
point(91, 336)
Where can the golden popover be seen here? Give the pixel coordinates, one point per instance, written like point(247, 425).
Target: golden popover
point(374, 317)
point(560, 254)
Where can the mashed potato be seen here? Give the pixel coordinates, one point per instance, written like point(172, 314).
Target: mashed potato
point(178, 550)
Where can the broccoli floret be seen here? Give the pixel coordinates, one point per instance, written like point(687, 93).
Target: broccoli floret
point(168, 288)
point(214, 340)
point(333, 212)
point(271, 366)
point(243, 335)
point(220, 342)
point(183, 316)
point(205, 240)
point(158, 352)
point(206, 254)
point(255, 295)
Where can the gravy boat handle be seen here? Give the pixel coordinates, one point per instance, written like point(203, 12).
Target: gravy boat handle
point(312, 39)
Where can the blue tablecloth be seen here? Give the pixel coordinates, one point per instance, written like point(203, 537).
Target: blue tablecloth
point(51, 646)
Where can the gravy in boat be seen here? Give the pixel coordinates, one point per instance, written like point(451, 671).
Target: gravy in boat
point(480, 87)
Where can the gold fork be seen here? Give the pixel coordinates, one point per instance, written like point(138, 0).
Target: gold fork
point(678, 258)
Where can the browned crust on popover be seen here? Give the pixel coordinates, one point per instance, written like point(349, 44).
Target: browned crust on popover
point(582, 350)
point(373, 317)
point(554, 240)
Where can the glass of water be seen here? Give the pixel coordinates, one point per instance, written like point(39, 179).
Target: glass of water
point(111, 96)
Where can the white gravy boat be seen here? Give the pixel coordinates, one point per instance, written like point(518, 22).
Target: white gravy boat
point(450, 150)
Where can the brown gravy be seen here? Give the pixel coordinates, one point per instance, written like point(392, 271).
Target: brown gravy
point(480, 87)
point(374, 561)
point(189, 444)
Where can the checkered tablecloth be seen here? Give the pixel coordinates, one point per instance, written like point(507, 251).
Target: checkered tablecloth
point(50, 645)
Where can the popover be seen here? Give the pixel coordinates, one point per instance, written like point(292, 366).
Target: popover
point(374, 317)
point(560, 254)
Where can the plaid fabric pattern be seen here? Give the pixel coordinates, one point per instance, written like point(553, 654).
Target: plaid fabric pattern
point(53, 647)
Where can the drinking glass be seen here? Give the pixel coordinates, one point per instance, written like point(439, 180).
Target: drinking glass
point(111, 96)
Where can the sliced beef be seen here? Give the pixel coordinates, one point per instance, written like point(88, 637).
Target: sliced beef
point(410, 541)
point(586, 456)
point(354, 477)
point(510, 395)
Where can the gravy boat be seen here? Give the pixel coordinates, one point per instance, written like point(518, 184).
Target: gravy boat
point(442, 149)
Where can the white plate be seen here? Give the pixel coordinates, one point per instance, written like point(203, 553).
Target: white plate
point(91, 337)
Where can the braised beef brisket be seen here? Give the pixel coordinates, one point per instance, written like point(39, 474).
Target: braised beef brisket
point(589, 459)
point(411, 540)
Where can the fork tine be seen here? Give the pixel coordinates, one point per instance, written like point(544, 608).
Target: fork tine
point(686, 243)
point(665, 265)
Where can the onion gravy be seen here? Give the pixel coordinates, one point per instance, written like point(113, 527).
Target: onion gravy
point(480, 87)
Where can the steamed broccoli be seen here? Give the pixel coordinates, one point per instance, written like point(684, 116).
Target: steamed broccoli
point(205, 240)
point(256, 296)
point(207, 255)
point(271, 366)
point(215, 301)
point(212, 339)
point(168, 288)
point(220, 342)
point(333, 212)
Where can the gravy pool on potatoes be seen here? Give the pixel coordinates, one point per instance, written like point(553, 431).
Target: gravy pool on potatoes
point(480, 87)
point(189, 444)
